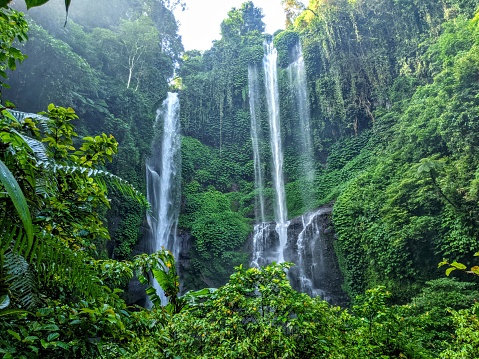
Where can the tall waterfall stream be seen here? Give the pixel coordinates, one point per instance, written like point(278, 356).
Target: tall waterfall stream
point(272, 99)
point(163, 181)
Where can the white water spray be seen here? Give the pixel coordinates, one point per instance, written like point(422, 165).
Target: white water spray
point(310, 252)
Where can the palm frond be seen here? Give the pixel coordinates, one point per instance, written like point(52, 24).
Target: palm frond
point(16, 312)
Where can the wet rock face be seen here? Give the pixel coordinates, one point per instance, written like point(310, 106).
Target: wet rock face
point(310, 247)
point(182, 262)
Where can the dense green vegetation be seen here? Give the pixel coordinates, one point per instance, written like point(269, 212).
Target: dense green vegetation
point(394, 95)
point(421, 202)
point(393, 130)
point(96, 66)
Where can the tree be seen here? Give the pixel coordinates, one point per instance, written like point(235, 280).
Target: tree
point(140, 44)
point(256, 314)
point(242, 21)
point(13, 27)
point(161, 13)
point(292, 8)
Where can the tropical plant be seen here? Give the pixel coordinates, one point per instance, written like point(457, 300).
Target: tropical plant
point(256, 314)
point(459, 266)
point(466, 341)
point(63, 188)
point(13, 27)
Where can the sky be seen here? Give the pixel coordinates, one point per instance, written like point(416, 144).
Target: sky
point(200, 22)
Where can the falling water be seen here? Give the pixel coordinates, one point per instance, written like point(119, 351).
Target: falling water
point(253, 85)
point(310, 253)
point(298, 83)
point(262, 229)
point(162, 179)
point(305, 240)
point(264, 239)
point(272, 98)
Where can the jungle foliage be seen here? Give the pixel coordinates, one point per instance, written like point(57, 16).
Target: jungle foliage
point(96, 65)
point(420, 200)
point(393, 90)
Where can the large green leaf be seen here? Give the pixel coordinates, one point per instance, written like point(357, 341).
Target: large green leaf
point(19, 201)
point(162, 278)
point(33, 3)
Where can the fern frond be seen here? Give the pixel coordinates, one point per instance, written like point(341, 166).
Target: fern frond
point(41, 120)
point(60, 266)
point(123, 186)
point(21, 281)
point(46, 187)
point(36, 147)
point(41, 155)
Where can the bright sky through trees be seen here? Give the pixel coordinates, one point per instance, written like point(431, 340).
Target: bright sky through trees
point(200, 22)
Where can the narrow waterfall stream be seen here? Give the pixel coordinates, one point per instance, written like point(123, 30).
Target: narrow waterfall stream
point(298, 83)
point(272, 98)
point(310, 256)
point(256, 136)
point(261, 229)
point(163, 181)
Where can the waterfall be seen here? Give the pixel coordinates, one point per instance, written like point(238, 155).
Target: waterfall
point(272, 98)
point(311, 248)
point(254, 91)
point(298, 83)
point(306, 241)
point(264, 240)
point(163, 179)
point(310, 253)
point(262, 229)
